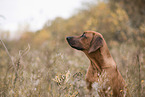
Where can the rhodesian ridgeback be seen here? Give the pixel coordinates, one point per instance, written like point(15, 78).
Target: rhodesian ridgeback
point(94, 46)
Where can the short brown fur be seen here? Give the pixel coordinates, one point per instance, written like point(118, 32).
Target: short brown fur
point(94, 46)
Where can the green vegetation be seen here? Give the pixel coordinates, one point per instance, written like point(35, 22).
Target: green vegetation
point(51, 68)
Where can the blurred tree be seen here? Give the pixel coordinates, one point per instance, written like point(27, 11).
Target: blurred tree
point(112, 24)
point(135, 10)
point(25, 39)
point(41, 36)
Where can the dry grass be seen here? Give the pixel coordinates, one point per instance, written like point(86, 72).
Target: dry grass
point(58, 73)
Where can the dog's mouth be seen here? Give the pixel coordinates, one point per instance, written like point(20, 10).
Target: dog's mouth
point(78, 48)
point(73, 43)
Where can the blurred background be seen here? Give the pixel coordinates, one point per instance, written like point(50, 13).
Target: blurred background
point(36, 60)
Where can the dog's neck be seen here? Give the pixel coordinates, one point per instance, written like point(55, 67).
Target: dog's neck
point(101, 58)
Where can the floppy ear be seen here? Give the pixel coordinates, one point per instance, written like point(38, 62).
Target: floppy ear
point(96, 43)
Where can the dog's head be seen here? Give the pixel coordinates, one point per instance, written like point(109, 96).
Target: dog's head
point(89, 41)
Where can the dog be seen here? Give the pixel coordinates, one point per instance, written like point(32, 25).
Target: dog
point(94, 46)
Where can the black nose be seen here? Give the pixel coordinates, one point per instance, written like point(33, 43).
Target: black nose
point(69, 38)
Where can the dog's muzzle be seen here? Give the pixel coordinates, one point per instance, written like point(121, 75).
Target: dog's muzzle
point(73, 43)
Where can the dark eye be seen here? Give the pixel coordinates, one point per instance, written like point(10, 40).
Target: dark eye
point(84, 35)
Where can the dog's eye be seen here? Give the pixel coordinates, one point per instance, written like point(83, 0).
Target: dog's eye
point(84, 35)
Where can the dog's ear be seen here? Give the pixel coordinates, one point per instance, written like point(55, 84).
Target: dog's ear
point(96, 43)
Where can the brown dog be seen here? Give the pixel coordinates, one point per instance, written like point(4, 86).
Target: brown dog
point(94, 46)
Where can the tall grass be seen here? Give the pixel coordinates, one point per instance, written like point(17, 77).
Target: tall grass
point(46, 72)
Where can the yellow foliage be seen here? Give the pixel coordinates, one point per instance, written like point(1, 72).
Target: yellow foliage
point(27, 36)
point(42, 36)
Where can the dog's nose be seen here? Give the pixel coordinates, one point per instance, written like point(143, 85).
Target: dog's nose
point(69, 38)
